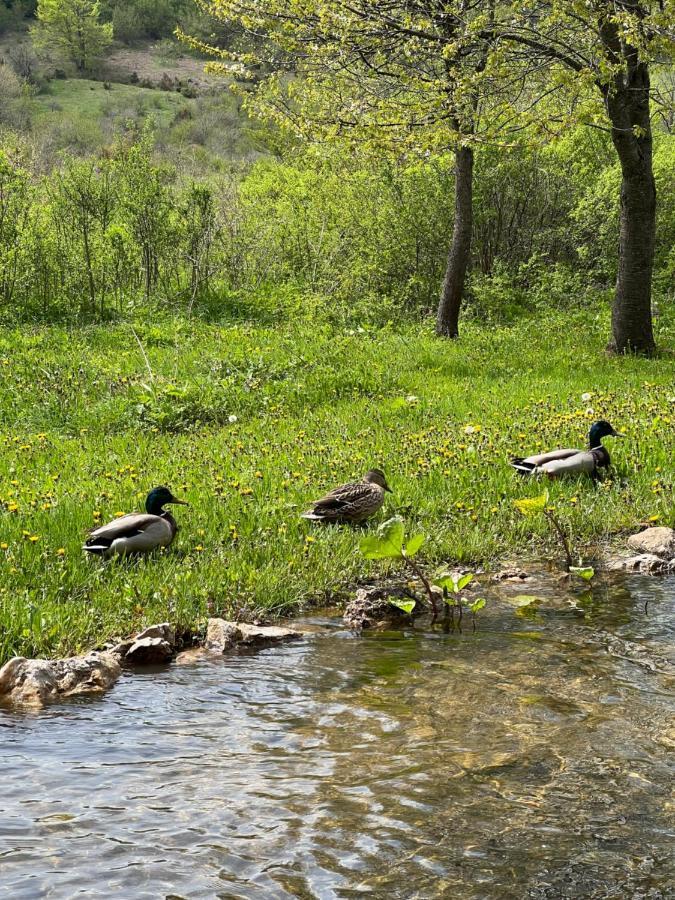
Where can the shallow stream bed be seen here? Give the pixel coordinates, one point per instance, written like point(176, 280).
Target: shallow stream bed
point(529, 758)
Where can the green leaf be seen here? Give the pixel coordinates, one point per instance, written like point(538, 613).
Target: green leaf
point(454, 583)
point(477, 605)
point(386, 543)
point(414, 545)
point(585, 572)
point(523, 600)
point(530, 506)
point(406, 605)
point(464, 580)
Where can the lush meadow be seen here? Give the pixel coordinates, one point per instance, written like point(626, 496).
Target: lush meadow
point(251, 421)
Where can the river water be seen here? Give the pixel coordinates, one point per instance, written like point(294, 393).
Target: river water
point(529, 758)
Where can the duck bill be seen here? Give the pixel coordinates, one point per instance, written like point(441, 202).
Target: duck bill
point(179, 502)
point(618, 434)
point(388, 489)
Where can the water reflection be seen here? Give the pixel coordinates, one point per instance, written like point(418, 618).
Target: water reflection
point(526, 760)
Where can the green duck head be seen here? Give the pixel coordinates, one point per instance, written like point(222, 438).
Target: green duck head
point(377, 476)
point(158, 498)
point(600, 430)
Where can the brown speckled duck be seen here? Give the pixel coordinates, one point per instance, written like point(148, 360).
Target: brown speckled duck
point(351, 503)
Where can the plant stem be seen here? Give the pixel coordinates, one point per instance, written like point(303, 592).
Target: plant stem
point(427, 586)
point(563, 537)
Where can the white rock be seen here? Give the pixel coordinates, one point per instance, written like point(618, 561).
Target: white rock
point(222, 635)
point(34, 682)
point(646, 563)
point(659, 541)
point(148, 651)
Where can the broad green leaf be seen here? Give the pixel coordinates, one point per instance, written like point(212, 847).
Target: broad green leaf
point(386, 543)
point(454, 583)
point(530, 506)
point(523, 600)
point(585, 572)
point(477, 605)
point(414, 545)
point(464, 580)
point(406, 605)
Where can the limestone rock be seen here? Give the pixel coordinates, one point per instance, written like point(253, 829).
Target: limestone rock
point(658, 541)
point(148, 651)
point(645, 563)
point(512, 574)
point(266, 634)
point(35, 682)
point(165, 631)
point(222, 635)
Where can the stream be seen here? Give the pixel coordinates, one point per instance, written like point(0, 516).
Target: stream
point(531, 758)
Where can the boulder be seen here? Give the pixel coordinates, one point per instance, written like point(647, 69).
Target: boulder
point(164, 631)
point(644, 563)
point(34, 682)
point(148, 651)
point(658, 541)
point(222, 635)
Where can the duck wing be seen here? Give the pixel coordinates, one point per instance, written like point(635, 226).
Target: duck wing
point(581, 462)
point(348, 501)
point(540, 459)
point(139, 531)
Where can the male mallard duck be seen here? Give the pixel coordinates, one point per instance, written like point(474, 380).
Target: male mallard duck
point(570, 462)
point(353, 502)
point(137, 532)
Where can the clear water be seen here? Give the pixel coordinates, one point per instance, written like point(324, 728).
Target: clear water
point(527, 759)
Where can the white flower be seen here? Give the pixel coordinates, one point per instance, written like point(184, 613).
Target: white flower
point(411, 398)
point(469, 429)
point(231, 419)
point(586, 397)
point(590, 411)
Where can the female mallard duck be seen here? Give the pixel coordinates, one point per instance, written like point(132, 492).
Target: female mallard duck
point(137, 532)
point(570, 462)
point(351, 503)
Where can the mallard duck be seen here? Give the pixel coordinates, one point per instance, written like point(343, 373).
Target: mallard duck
point(570, 462)
point(351, 503)
point(137, 532)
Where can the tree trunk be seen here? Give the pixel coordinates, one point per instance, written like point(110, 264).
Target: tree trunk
point(628, 108)
point(447, 320)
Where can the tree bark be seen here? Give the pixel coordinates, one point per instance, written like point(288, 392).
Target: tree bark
point(447, 320)
point(628, 109)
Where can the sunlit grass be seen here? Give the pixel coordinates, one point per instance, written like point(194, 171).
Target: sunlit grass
point(249, 424)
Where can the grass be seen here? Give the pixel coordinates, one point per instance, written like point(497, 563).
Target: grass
point(86, 428)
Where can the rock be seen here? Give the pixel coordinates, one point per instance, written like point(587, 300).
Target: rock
point(371, 607)
point(148, 651)
point(266, 634)
point(511, 574)
point(35, 682)
point(658, 541)
point(222, 635)
point(645, 563)
point(164, 631)
point(191, 656)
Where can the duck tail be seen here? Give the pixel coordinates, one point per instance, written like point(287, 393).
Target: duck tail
point(96, 549)
point(312, 516)
point(521, 466)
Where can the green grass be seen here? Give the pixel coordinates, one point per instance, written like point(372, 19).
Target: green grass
point(86, 99)
point(85, 430)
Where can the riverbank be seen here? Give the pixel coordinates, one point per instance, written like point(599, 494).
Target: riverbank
point(251, 422)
